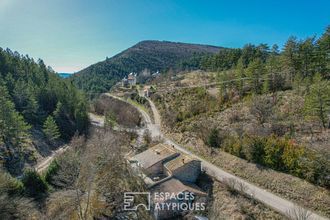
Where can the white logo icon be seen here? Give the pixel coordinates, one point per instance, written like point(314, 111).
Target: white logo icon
point(130, 203)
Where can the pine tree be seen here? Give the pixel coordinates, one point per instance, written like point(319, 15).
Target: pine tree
point(81, 117)
point(255, 71)
point(13, 129)
point(50, 129)
point(213, 139)
point(317, 103)
point(323, 54)
point(240, 74)
point(290, 57)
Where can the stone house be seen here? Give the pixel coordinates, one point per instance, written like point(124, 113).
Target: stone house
point(151, 161)
point(166, 170)
point(184, 168)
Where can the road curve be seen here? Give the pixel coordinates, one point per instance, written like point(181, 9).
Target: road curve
point(273, 201)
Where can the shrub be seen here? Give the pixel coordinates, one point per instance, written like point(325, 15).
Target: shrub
point(214, 139)
point(9, 184)
point(110, 119)
point(51, 171)
point(234, 147)
point(34, 184)
point(147, 137)
point(255, 149)
point(262, 109)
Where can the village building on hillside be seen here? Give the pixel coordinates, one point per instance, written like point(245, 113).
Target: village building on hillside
point(148, 90)
point(156, 74)
point(130, 80)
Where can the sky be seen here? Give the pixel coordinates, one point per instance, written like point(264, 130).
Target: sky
point(70, 35)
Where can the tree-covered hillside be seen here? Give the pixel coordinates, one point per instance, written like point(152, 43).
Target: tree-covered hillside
point(34, 98)
point(299, 57)
point(151, 55)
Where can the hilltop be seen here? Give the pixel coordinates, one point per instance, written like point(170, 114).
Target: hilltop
point(152, 55)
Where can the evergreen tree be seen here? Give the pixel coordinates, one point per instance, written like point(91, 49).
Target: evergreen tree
point(81, 117)
point(240, 74)
point(63, 120)
point(50, 129)
point(307, 52)
point(324, 54)
point(317, 103)
point(213, 139)
point(274, 80)
point(290, 56)
point(34, 184)
point(13, 129)
point(255, 71)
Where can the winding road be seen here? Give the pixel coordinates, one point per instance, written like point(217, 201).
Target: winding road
point(271, 200)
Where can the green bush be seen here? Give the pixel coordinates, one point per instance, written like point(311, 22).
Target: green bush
point(214, 139)
point(51, 171)
point(110, 119)
point(280, 154)
point(34, 184)
point(10, 185)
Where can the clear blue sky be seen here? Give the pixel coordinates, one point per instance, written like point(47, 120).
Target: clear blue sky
point(72, 34)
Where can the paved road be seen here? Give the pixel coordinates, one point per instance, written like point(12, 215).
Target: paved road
point(275, 202)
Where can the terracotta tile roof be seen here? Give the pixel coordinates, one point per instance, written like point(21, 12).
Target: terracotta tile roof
point(153, 155)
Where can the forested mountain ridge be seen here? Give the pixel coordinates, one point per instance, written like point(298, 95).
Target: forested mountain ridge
point(33, 98)
point(151, 55)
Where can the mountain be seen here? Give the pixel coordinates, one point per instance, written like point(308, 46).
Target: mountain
point(152, 55)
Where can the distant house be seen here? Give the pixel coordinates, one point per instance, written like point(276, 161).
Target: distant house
point(146, 91)
point(130, 80)
point(156, 74)
point(124, 82)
